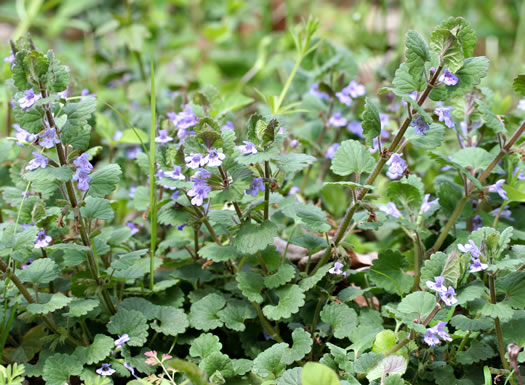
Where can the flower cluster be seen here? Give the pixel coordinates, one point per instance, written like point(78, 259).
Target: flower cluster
point(352, 90)
point(29, 99)
point(184, 120)
point(472, 248)
point(42, 240)
point(397, 166)
point(48, 138)
point(200, 190)
point(446, 293)
point(434, 334)
point(84, 167)
point(39, 161)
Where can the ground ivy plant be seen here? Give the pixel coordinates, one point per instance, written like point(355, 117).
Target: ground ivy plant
point(217, 243)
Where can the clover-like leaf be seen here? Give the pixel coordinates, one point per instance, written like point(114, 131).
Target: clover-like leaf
point(291, 298)
point(130, 322)
point(173, 321)
point(204, 313)
point(340, 317)
point(352, 157)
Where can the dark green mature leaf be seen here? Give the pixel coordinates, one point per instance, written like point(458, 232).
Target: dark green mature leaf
point(313, 217)
point(371, 121)
point(478, 351)
point(76, 130)
point(56, 301)
point(367, 361)
point(500, 310)
point(490, 118)
point(404, 83)
point(251, 284)
point(20, 76)
point(270, 361)
point(205, 344)
point(172, 321)
point(433, 267)
point(352, 157)
point(49, 174)
point(293, 163)
point(519, 84)
point(217, 362)
point(387, 272)
point(41, 271)
point(314, 373)
point(104, 180)
point(471, 292)
point(30, 120)
point(284, 274)
point(253, 237)
point(80, 307)
point(97, 208)
point(340, 317)
point(291, 298)
point(59, 367)
point(459, 321)
point(302, 345)
point(418, 304)
point(204, 314)
point(475, 158)
point(130, 322)
point(309, 282)
point(57, 75)
point(430, 140)
point(101, 347)
point(216, 253)
point(235, 314)
point(469, 76)
point(417, 54)
point(513, 285)
point(404, 193)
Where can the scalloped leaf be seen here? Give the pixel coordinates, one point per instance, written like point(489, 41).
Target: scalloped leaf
point(130, 322)
point(462, 322)
point(371, 121)
point(302, 345)
point(253, 237)
point(204, 345)
point(59, 367)
point(173, 321)
point(235, 314)
point(100, 348)
point(43, 270)
point(204, 313)
point(340, 317)
point(214, 252)
point(419, 304)
point(250, 284)
point(309, 282)
point(291, 298)
point(352, 157)
point(270, 361)
point(56, 301)
point(387, 271)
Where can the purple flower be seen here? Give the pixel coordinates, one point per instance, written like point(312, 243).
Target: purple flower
point(337, 120)
point(375, 146)
point(199, 192)
point(28, 262)
point(294, 143)
point(64, 94)
point(433, 334)
point(390, 209)
point(521, 104)
point(133, 152)
point(9, 59)
point(448, 296)
point(85, 93)
point(228, 126)
point(505, 214)
point(42, 240)
point(130, 368)
point(477, 222)
point(214, 158)
point(83, 163)
point(431, 339)
point(176, 173)
point(49, 138)
point(195, 160)
point(330, 153)
point(201, 174)
point(337, 269)
point(471, 248)
point(175, 195)
point(437, 285)
point(29, 100)
point(426, 205)
point(412, 95)
point(496, 187)
point(448, 78)
point(184, 119)
point(163, 137)
point(82, 178)
point(256, 187)
point(344, 97)
point(180, 227)
point(118, 135)
point(397, 166)
point(421, 125)
point(160, 172)
point(293, 190)
point(519, 172)
point(477, 266)
point(385, 121)
point(105, 370)
point(443, 114)
point(25, 194)
point(39, 160)
point(134, 230)
point(355, 128)
point(121, 340)
point(23, 136)
point(248, 148)
point(354, 89)
point(315, 91)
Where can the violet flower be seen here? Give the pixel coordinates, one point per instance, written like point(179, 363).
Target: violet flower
point(448, 78)
point(85, 93)
point(337, 120)
point(330, 152)
point(9, 59)
point(431, 339)
point(29, 99)
point(82, 178)
point(42, 240)
point(471, 248)
point(134, 229)
point(199, 192)
point(390, 209)
point(477, 266)
point(180, 227)
point(176, 174)
point(477, 222)
point(337, 269)
point(437, 285)
point(248, 148)
point(293, 190)
point(344, 97)
point(121, 340)
point(521, 104)
point(354, 89)
point(315, 91)
point(175, 195)
point(228, 126)
point(448, 296)
point(195, 160)
point(163, 137)
point(426, 205)
point(385, 121)
point(505, 214)
point(412, 95)
point(133, 152)
point(397, 166)
point(184, 119)
point(355, 127)
point(22, 136)
point(214, 158)
point(28, 262)
point(496, 187)
point(117, 135)
point(105, 370)
point(256, 187)
point(83, 162)
point(444, 116)
point(421, 125)
point(48, 138)
point(519, 172)
point(39, 160)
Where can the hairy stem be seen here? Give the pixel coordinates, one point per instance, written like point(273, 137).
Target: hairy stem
point(152, 192)
point(267, 174)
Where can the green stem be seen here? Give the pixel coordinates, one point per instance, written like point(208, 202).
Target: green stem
point(276, 107)
point(152, 195)
point(267, 174)
point(418, 258)
point(265, 324)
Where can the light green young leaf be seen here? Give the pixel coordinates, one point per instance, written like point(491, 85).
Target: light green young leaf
point(172, 321)
point(314, 373)
point(403, 193)
point(352, 157)
point(291, 298)
point(59, 367)
point(130, 322)
point(216, 253)
point(253, 237)
point(371, 121)
point(101, 347)
point(270, 361)
point(104, 180)
point(418, 304)
point(205, 344)
point(384, 341)
point(43, 270)
point(97, 208)
point(235, 314)
point(417, 54)
point(204, 313)
point(490, 118)
point(387, 272)
point(302, 345)
point(340, 317)
point(56, 301)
